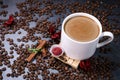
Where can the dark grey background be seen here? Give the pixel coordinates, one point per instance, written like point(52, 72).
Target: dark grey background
point(113, 55)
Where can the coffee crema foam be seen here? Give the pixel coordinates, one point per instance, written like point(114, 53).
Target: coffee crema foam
point(81, 29)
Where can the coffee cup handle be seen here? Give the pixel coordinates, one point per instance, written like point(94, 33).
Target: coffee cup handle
point(106, 33)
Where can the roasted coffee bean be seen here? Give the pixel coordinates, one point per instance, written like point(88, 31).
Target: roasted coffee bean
point(22, 44)
point(11, 48)
point(18, 39)
point(11, 43)
point(8, 65)
point(19, 32)
point(12, 56)
point(8, 74)
point(11, 40)
point(16, 49)
point(8, 39)
point(5, 53)
point(12, 75)
point(38, 72)
point(4, 6)
point(2, 44)
point(3, 69)
point(24, 76)
point(66, 68)
point(28, 14)
point(15, 45)
point(3, 50)
point(27, 46)
point(11, 52)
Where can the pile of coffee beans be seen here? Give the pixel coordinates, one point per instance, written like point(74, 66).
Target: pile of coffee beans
point(47, 13)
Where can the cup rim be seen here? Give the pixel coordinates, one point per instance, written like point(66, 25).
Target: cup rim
point(86, 15)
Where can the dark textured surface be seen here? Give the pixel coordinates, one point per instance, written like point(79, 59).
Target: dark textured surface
point(113, 54)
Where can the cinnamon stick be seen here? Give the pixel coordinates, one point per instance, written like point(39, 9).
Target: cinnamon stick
point(32, 55)
point(44, 52)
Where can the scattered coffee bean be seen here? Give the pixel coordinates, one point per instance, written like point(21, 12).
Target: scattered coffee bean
point(8, 74)
point(8, 39)
point(18, 40)
point(27, 14)
point(12, 56)
point(11, 48)
point(4, 6)
point(3, 69)
point(19, 32)
point(11, 52)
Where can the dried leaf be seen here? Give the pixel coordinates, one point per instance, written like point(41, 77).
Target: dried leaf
point(51, 29)
point(9, 21)
point(56, 35)
point(85, 64)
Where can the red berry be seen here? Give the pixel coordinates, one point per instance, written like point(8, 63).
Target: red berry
point(56, 51)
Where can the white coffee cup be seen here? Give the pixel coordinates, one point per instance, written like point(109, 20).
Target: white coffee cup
point(82, 50)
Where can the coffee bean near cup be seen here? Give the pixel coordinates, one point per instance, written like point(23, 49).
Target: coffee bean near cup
point(80, 36)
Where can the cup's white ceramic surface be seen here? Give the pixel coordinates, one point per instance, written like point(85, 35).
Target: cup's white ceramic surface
point(82, 50)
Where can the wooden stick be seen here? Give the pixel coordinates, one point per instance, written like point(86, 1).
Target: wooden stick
point(72, 62)
point(32, 55)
